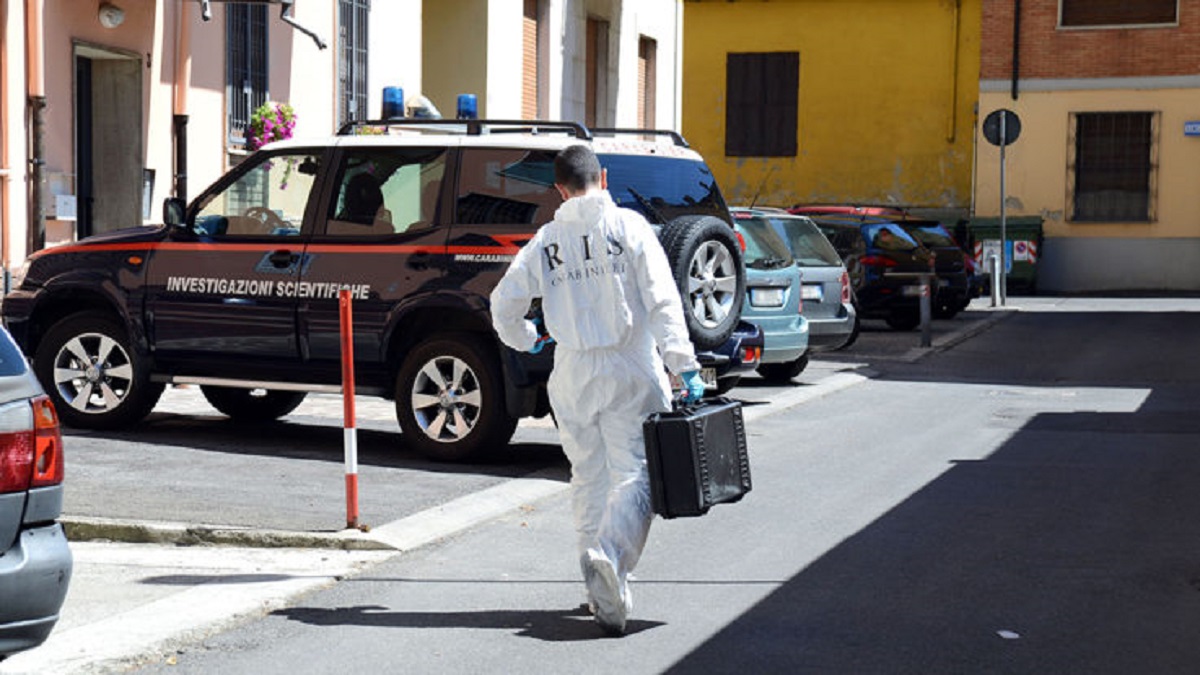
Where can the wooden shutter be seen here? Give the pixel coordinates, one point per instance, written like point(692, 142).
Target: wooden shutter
point(762, 92)
point(1118, 12)
point(646, 84)
point(529, 74)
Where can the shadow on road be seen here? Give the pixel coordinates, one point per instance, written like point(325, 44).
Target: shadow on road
point(1073, 548)
point(322, 443)
point(550, 625)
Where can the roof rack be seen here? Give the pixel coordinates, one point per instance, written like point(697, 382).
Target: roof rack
point(474, 127)
point(675, 135)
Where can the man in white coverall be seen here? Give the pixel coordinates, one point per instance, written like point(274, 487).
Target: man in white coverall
point(611, 304)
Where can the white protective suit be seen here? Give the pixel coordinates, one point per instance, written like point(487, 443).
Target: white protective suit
point(612, 306)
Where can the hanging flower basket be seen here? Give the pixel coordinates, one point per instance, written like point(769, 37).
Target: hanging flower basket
point(270, 122)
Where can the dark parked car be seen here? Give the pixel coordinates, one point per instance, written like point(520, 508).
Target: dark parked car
point(957, 281)
point(417, 220)
point(885, 264)
point(35, 561)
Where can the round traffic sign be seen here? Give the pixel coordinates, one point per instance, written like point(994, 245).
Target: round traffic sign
point(991, 126)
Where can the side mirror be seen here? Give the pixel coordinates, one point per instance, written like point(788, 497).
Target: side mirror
point(174, 211)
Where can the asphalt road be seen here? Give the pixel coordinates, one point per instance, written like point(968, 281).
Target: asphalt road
point(1023, 502)
point(1013, 500)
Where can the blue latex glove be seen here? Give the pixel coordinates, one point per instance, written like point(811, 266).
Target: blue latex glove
point(541, 344)
point(693, 386)
point(543, 341)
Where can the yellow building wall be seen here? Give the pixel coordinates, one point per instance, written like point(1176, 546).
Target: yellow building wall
point(454, 35)
point(886, 103)
point(1036, 175)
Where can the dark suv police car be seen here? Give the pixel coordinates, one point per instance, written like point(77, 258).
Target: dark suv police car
point(416, 219)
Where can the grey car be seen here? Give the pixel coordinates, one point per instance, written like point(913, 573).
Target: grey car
point(35, 560)
point(825, 284)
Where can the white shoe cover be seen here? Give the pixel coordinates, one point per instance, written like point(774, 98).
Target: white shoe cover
point(605, 591)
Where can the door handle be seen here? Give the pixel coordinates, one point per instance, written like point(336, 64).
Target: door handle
point(282, 258)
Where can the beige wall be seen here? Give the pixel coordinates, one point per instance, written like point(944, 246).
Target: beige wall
point(395, 45)
point(1036, 176)
point(455, 36)
point(1163, 255)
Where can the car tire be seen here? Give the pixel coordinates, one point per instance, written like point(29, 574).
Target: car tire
point(904, 319)
point(706, 262)
point(93, 374)
point(782, 373)
point(450, 398)
point(252, 405)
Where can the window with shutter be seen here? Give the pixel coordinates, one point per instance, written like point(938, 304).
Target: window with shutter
point(246, 65)
point(353, 18)
point(762, 94)
point(531, 60)
point(647, 67)
point(1113, 167)
point(1079, 13)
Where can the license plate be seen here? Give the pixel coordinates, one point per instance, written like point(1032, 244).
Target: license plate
point(943, 282)
point(766, 297)
point(912, 291)
point(811, 292)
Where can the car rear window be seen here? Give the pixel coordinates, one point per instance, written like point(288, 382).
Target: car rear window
point(889, 236)
point(931, 234)
point(663, 188)
point(12, 361)
point(764, 249)
point(809, 246)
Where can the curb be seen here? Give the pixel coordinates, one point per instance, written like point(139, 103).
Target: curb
point(151, 532)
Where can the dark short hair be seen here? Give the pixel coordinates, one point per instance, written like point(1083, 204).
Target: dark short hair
point(576, 168)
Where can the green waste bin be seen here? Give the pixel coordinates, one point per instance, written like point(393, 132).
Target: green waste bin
point(1024, 248)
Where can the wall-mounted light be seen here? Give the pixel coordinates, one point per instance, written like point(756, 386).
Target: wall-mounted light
point(110, 15)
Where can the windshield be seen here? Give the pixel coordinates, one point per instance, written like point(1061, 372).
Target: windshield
point(890, 237)
point(809, 246)
point(663, 188)
point(764, 249)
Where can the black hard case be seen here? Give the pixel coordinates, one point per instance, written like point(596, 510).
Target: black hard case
point(696, 456)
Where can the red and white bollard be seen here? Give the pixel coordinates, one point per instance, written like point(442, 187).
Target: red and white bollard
point(349, 434)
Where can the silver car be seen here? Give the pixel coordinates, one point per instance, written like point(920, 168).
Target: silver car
point(825, 285)
point(35, 561)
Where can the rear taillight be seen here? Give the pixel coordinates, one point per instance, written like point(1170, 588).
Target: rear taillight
point(876, 261)
point(48, 457)
point(30, 446)
point(845, 288)
point(751, 355)
point(741, 241)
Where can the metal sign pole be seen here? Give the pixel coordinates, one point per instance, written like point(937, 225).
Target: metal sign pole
point(1003, 223)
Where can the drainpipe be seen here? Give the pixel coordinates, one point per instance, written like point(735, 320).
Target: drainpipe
point(1016, 47)
point(5, 173)
point(183, 82)
point(35, 86)
point(951, 130)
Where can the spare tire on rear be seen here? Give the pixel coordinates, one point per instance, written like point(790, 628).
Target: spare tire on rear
point(706, 262)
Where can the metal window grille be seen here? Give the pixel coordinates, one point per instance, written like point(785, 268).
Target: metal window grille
point(1114, 167)
point(246, 70)
point(353, 18)
point(762, 97)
